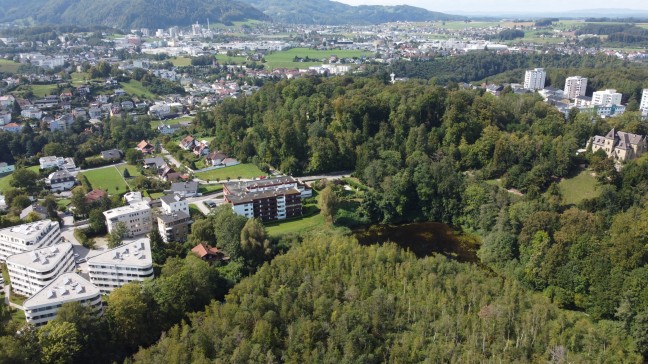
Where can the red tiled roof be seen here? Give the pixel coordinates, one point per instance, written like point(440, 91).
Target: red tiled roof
point(203, 250)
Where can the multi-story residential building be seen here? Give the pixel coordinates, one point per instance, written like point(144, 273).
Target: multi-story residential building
point(643, 106)
point(174, 226)
point(60, 181)
point(270, 199)
point(127, 263)
point(620, 145)
point(575, 86)
point(174, 203)
point(607, 97)
point(535, 79)
point(68, 287)
point(31, 271)
point(135, 217)
point(51, 162)
point(28, 237)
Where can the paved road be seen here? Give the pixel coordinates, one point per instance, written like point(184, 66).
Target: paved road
point(200, 201)
point(167, 155)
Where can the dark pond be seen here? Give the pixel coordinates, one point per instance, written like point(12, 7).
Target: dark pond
point(423, 239)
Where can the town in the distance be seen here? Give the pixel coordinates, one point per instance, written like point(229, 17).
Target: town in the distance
point(182, 170)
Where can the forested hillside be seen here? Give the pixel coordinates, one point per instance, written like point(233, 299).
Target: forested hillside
point(331, 300)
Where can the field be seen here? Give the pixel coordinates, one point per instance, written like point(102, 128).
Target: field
point(207, 189)
point(459, 25)
point(132, 170)
point(233, 172)
point(80, 78)
point(578, 188)
point(284, 59)
point(43, 90)
point(181, 61)
point(135, 88)
point(156, 123)
point(5, 180)
point(7, 66)
point(109, 179)
point(221, 58)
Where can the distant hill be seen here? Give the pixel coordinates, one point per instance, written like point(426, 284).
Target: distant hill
point(128, 14)
point(335, 13)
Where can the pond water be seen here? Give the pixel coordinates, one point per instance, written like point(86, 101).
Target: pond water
point(423, 239)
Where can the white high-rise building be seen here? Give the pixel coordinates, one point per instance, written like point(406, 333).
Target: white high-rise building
point(607, 97)
point(136, 218)
point(127, 263)
point(31, 271)
point(28, 237)
point(643, 106)
point(535, 79)
point(575, 86)
point(68, 287)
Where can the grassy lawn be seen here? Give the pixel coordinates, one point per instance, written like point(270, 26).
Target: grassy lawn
point(80, 78)
point(132, 170)
point(181, 61)
point(43, 90)
point(207, 189)
point(7, 66)
point(284, 59)
point(194, 210)
point(108, 179)
point(156, 123)
point(233, 172)
point(4, 181)
point(221, 58)
point(578, 188)
point(135, 88)
point(64, 202)
point(297, 226)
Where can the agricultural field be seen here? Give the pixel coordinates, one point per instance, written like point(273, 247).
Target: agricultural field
point(135, 88)
point(284, 59)
point(181, 61)
point(233, 172)
point(109, 179)
point(7, 66)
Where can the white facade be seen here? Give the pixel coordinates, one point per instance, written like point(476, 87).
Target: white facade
point(128, 263)
point(68, 287)
point(174, 203)
point(31, 271)
point(535, 79)
point(607, 97)
point(136, 217)
point(643, 106)
point(51, 162)
point(60, 181)
point(575, 86)
point(28, 237)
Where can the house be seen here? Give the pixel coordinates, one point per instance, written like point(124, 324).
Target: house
point(154, 162)
point(12, 128)
point(62, 123)
point(620, 145)
point(168, 129)
point(188, 143)
point(174, 203)
point(51, 162)
point(112, 154)
point(145, 147)
point(95, 196)
point(185, 189)
point(94, 113)
point(32, 113)
point(136, 218)
point(35, 208)
point(215, 158)
point(208, 253)
point(127, 105)
point(201, 149)
point(60, 181)
point(5, 117)
point(6, 168)
point(7, 101)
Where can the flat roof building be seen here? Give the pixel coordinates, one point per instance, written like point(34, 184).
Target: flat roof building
point(127, 263)
point(68, 287)
point(29, 272)
point(27, 237)
point(136, 217)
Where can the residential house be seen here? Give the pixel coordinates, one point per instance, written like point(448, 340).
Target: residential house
point(188, 143)
point(95, 196)
point(168, 129)
point(174, 203)
point(32, 113)
point(620, 145)
point(208, 253)
point(155, 163)
point(112, 154)
point(201, 149)
point(145, 147)
point(185, 189)
point(136, 218)
point(36, 209)
point(215, 158)
point(62, 123)
point(60, 181)
point(51, 162)
point(5, 117)
point(12, 128)
point(127, 105)
point(94, 113)
point(133, 197)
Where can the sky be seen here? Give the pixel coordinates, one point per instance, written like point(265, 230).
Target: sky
point(509, 6)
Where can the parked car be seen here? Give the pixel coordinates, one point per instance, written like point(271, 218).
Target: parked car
point(210, 204)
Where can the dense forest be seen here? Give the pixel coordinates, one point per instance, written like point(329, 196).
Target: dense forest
point(331, 300)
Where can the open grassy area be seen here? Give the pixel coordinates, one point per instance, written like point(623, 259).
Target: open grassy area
point(233, 172)
point(458, 25)
point(6, 180)
point(156, 123)
point(181, 61)
point(231, 60)
point(43, 90)
point(135, 88)
point(297, 226)
point(108, 179)
point(284, 59)
point(7, 66)
point(80, 78)
point(132, 170)
point(579, 188)
point(207, 189)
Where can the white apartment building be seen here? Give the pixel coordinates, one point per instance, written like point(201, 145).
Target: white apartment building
point(643, 106)
point(535, 79)
point(174, 203)
point(31, 271)
point(28, 237)
point(575, 86)
point(607, 97)
point(130, 262)
point(68, 287)
point(136, 217)
point(51, 162)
